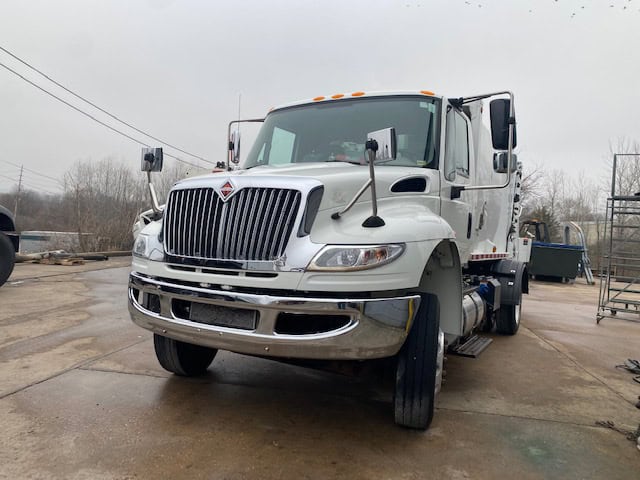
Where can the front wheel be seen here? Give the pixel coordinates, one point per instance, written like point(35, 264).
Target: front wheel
point(508, 319)
point(417, 376)
point(7, 258)
point(181, 358)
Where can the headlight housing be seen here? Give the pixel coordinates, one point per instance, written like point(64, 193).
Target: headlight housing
point(148, 246)
point(340, 258)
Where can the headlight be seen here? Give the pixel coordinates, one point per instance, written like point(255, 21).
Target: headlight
point(355, 257)
point(147, 246)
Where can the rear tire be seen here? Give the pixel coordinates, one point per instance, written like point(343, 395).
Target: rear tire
point(7, 258)
point(416, 369)
point(181, 358)
point(508, 319)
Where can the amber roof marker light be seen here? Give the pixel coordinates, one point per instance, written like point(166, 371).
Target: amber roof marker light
point(427, 92)
point(337, 96)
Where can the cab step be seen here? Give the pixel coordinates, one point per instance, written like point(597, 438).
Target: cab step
point(473, 347)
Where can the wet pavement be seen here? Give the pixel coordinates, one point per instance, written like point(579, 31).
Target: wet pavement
point(82, 397)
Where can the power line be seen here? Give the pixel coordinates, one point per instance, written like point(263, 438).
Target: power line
point(94, 118)
point(37, 183)
point(15, 180)
point(9, 178)
point(32, 171)
point(101, 109)
point(41, 183)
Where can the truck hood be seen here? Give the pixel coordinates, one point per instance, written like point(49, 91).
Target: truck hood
point(341, 181)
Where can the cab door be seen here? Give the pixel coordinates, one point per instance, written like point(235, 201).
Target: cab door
point(455, 171)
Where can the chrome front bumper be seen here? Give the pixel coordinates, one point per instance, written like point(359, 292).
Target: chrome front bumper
point(375, 328)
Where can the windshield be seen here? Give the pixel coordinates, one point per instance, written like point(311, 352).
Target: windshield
point(336, 132)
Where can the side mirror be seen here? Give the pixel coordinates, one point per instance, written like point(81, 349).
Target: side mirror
point(151, 160)
point(500, 160)
point(500, 120)
point(386, 140)
point(234, 147)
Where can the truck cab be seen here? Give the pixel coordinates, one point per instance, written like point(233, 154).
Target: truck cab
point(359, 227)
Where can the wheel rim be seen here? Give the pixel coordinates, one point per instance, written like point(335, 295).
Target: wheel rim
point(517, 313)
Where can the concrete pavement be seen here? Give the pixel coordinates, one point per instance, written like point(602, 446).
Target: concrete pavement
point(82, 397)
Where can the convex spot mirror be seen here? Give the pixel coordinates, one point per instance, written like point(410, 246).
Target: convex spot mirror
point(500, 160)
point(500, 119)
point(151, 160)
point(234, 147)
point(386, 140)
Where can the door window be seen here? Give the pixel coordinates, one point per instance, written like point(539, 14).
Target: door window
point(456, 146)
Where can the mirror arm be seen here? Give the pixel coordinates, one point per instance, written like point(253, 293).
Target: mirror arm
point(512, 122)
point(337, 215)
point(230, 143)
point(154, 198)
point(374, 220)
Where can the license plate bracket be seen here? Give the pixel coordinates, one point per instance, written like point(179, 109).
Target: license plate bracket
point(223, 316)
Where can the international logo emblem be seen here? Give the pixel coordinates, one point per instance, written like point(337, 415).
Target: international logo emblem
point(226, 190)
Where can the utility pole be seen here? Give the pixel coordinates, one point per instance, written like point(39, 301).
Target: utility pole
point(15, 207)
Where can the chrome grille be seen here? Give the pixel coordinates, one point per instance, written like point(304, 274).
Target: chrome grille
point(254, 224)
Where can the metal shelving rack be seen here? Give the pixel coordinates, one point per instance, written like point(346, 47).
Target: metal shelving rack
point(620, 262)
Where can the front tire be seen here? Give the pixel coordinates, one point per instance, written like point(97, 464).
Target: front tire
point(7, 258)
point(181, 358)
point(417, 376)
point(508, 319)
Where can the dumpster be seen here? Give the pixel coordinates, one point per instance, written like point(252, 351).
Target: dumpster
point(555, 260)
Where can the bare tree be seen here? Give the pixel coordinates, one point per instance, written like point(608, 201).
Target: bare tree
point(531, 185)
point(627, 168)
point(102, 199)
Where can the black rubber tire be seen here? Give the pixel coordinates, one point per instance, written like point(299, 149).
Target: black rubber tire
point(508, 319)
point(181, 358)
point(414, 395)
point(7, 258)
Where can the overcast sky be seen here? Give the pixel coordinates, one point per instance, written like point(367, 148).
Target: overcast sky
point(176, 68)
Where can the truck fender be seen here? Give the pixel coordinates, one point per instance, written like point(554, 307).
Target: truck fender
point(514, 280)
point(442, 277)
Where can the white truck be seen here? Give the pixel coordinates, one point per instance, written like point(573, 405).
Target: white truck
point(360, 226)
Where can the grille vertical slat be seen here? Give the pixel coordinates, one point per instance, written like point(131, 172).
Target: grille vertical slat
point(215, 205)
point(271, 213)
point(278, 230)
point(254, 224)
point(181, 222)
point(246, 201)
point(191, 226)
point(254, 227)
point(174, 229)
point(237, 214)
point(200, 225)
point(268, 223)
point(288, 221)
point(250, 198)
